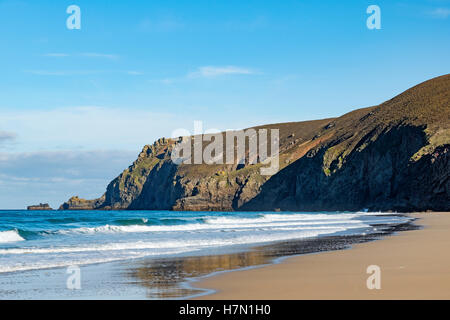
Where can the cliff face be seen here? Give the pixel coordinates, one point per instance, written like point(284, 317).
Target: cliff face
point(154, 182)
point(394, 156)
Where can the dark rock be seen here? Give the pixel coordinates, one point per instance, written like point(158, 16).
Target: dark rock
point(39, 207)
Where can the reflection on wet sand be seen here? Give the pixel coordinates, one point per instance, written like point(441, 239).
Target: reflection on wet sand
point(166, 278)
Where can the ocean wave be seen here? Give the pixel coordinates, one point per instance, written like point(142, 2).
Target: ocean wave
point(10, 236)
point(207, 223)
point(63, 220)
point(180, 221)
point(267, 218)
point(120, 238)
point(131, 222)
point(186, 245)
point(203, 224)
point(198, 227)
point(72, 262)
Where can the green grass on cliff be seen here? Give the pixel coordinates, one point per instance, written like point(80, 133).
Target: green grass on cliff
point(426, 105)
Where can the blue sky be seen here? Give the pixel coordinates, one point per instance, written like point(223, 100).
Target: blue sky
point(138, 70)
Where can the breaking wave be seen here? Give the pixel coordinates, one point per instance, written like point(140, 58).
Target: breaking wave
point(10, 236)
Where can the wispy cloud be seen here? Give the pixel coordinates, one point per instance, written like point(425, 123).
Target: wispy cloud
point(6, 137)
point(92, 164)
point(216, 71)
point(84, 54)
point(74, 128)
point(135, 73)
point(57, 55)
point(208, 72)
point(33, 177)
point(62, 73)
point(100, 55)
point(166, 24)
point(441, 13)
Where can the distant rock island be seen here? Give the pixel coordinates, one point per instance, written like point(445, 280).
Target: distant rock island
point(394, 156)
point(39, 207)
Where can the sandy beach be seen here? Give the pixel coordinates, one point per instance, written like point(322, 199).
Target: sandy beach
point(414, 265)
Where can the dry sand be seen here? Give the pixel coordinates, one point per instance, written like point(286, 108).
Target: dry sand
point(414, 265)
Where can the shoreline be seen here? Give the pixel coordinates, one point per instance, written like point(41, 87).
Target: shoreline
point(178, 277)
point(311, 247)
point(414, 265)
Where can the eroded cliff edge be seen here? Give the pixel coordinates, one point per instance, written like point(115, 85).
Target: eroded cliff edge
point(394, 156)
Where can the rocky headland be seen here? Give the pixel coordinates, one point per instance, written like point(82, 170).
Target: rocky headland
point(393, 156)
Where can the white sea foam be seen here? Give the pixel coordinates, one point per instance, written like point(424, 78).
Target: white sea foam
point(223, 223)
point(10, 236)
point(99, 244)
point(65, 263)
point(170, 244)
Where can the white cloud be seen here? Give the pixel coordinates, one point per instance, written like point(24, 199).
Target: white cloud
point(135, 73)
point(57, 55)
point(84, 54)
point(32, 177)
point(89, 127)
point(441, 13)
point(64, 165)
point(60, 152)
point(215, 71)
point(100, 55)
point(7, 136)
point(208, 72)
point(62, 73)
point(100, 128)
point(65, 73)
point(7, 139)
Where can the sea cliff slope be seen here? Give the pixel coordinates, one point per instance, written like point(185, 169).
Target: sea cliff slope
point(394, 156)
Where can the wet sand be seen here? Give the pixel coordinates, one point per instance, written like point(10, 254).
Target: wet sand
point(414, 265)
point(172, 278)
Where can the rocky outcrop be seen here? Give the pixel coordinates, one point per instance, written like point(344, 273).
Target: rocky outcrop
point(76, 203)
point(39, 207)
point(394, 156)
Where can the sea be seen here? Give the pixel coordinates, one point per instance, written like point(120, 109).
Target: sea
point(40, 240)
